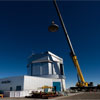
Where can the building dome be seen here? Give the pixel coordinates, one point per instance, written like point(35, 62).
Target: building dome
point(45, 64)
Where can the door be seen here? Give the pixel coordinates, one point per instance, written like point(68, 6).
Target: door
point(57, 86)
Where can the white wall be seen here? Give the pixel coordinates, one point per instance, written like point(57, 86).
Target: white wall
point(16, 93)
point(14, 81)
point(33, 83)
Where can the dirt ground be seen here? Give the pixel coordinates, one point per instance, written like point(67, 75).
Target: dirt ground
point(81, 96)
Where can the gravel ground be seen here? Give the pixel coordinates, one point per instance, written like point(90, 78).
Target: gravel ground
point(81, 96)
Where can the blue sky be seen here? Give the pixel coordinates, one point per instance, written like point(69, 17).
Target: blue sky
point(24, 29)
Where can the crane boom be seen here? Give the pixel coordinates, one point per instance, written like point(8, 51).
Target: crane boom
point(74, 57)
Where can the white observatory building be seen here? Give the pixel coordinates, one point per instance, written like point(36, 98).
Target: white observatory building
point(44, 69)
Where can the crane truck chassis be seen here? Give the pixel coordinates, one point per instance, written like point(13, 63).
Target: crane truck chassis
point(86, 89)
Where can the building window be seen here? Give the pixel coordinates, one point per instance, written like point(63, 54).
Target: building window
point(18, 88)
point(10, 88)
point(61, 69)
point(52, 65)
